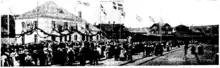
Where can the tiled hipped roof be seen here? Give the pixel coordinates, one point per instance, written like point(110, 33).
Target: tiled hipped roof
point(49, 10)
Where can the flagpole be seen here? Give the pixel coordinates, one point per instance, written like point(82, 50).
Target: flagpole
point(100, 12)
point(119, 20)
point(8, 30)
point(37, 19)
point(160, 23)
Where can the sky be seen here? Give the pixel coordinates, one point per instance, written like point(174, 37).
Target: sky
point(174, 12)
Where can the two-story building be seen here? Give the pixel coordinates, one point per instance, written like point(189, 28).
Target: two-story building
point(51, 22)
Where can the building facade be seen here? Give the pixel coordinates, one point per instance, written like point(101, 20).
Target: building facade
point(51, 22)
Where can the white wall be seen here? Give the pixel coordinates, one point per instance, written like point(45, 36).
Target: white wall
point(46, 25)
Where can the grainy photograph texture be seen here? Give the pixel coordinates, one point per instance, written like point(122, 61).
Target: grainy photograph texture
point(109, 32)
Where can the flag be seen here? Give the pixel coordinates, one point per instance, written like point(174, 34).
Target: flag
point(86, 3)
point(114, 5)
point(122, 13)
point(102, 9)
point(138, 18)
point(120, 7)
point(79, 2)
point(152, 19)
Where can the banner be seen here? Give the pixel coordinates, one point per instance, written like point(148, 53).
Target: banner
point(28, 25)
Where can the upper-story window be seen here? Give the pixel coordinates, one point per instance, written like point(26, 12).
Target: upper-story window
point(65, 25)
point(36, 24)
point(53, 24)
point(23, 25)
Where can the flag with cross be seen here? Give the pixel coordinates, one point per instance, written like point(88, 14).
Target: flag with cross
point(138, 18)
point(119, 6)
point(102, 9)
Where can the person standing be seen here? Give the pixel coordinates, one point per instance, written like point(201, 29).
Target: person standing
point(157, 49)
point(35, 57)
point(97, 55)
point(28, 60)
point(117, 51)
point(21, 57)
point(122, 54)
point(42, 58)
point(168, 46)
point(82, 54)
point(200, 49)
point(98, 48)
point(193, 50)
point(71, 56)
point(186, 47)
point(103, 47)
point(161, 49)
point(130, 49)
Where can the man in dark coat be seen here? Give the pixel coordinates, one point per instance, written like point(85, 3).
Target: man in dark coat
point(21, 57)
point(103, 47)
point(200, 49)
point(161, 49)
point(157, 49)
point(42, 58)
point(35, 56)
point(130, 52)
point(186, 47)
point(71, 56)
point(117, 51)
point(83, 54)
point(193, 50)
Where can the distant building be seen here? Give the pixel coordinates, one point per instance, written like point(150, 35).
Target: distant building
point(143, 31)
point(165, 28)
point(114, 31)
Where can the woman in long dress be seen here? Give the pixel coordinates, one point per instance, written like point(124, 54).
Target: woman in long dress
point(122, 54)
point(14, 55)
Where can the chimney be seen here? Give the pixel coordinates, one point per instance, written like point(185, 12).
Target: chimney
point(80, 14)
point(95, 23)
point(108, 22)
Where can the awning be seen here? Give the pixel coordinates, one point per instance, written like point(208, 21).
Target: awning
point(55, 33)
point(8, 40)
point(65, 32)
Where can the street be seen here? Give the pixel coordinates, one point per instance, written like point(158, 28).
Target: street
point(177, 57)
point(174, 58)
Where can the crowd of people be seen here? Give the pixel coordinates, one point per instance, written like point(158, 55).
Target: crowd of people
point(68, 53)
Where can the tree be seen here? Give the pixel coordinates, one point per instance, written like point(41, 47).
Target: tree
point(182, 29)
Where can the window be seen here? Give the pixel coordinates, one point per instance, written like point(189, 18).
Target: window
point(97, 37)
point(75, 37)
point(36, 24)
point(65, 38)
point(65, 25)
point(87, 26)
point(53, 38)
point(53, 24)
point(23, 24)
point(23, 39)
point(70, 37)
point(35, 38)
